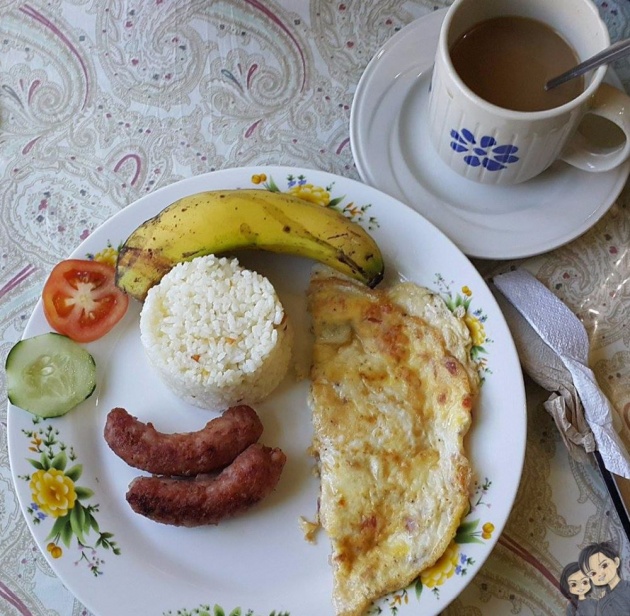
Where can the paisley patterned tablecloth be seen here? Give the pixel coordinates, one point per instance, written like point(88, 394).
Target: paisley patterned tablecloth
point(103, 101)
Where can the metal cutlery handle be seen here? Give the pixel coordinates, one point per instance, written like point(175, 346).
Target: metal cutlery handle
point(610, 54)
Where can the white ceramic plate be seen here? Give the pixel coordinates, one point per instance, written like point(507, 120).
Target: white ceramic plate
point(259, 561)
point(392, 152)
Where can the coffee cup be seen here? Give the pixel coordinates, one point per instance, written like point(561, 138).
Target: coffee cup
point(489, 120)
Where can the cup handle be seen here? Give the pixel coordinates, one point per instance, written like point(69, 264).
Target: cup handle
point(611, 104)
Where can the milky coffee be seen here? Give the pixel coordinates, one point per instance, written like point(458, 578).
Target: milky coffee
point(507, 61)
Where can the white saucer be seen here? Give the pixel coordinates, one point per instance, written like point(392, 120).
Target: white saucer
point(391, 149)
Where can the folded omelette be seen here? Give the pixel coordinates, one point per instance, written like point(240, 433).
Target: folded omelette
point(392, 390)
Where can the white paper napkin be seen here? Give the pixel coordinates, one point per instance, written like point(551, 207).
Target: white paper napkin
point(558, 361)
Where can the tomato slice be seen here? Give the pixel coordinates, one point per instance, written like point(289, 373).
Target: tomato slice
point(81, 299)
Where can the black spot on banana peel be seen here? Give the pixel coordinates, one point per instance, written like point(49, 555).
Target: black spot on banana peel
point(215, 222)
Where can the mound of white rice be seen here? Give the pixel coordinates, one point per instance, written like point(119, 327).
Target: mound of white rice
point(216, 333)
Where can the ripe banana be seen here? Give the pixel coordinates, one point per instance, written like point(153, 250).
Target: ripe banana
point(225, 220)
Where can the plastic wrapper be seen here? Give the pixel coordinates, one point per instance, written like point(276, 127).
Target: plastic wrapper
point(592, 277)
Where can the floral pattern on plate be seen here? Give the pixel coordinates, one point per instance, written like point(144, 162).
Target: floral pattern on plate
point(217, 610)
point(59, 501)
point(459, 303)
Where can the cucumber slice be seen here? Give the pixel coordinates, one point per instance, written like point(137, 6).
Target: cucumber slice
point(48, 375)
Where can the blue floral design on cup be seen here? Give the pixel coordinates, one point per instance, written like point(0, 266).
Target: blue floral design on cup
point(486, 153)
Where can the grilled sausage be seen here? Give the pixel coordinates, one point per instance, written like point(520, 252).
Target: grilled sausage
point(208, 500)
point(183, 454)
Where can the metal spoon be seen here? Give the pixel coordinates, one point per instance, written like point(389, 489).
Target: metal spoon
point(612, 53)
